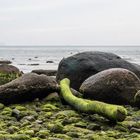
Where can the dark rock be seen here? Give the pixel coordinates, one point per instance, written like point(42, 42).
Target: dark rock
point(49, 61)
point(116, 85)
point(35, 64)
point(5, 62)
point(46, 72)
point(94, 126)
point(27, 87)
point(82, 65)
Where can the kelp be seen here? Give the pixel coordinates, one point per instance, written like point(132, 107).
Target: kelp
point(112, 112)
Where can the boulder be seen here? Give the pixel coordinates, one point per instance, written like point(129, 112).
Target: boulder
point(82, 65)
point(5, 62)
point(8, 73)
point(8, 69)
point(27, 87)
point(116, 85)
point(46, 72)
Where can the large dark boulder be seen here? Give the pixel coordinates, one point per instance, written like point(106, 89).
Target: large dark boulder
point(116, 85)
point(82, 65)
point(27, 87)
point(8, 73)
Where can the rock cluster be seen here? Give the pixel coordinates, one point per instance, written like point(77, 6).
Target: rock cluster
point(98, 75)
point(50, 119)
point(83, 65)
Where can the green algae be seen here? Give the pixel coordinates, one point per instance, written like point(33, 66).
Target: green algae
point(7, 77)
point(61, 122)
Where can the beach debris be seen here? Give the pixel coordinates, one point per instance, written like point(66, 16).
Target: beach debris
point(80, 66)
point(112, 112)
point(116, 85)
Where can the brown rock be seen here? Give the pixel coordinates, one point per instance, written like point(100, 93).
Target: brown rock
point(27, 87)
point(116, 85)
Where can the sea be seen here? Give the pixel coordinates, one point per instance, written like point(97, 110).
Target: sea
point(28, 58)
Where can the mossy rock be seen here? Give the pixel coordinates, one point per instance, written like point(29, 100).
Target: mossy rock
point(7, 77)
point(8, 73)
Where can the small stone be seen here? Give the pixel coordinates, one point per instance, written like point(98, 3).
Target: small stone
point(133, 129)
point(94, 126)
point(43, 133)
point(1, 106)
point(16, 113)
point(56, 128)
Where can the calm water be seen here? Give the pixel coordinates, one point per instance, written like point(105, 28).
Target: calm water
point(24, 57)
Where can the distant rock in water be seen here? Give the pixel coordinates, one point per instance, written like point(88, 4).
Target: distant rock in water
point(82, 65)
point(116, 85)
point(49, 61)
point(35, 64)
point(46, 72)
point(8, 73)
point(5, 62)
point(27, 87)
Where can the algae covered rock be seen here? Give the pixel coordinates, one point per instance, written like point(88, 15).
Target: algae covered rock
point(27, 87)
point(115, 85)
point(8, 73)
point(79, 67)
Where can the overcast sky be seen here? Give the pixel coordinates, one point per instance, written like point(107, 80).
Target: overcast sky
point(70, 22)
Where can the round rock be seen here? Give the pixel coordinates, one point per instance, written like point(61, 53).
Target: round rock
point(116, 85)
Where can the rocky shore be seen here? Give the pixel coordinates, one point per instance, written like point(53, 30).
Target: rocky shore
point(32, 108)
point(50, 119)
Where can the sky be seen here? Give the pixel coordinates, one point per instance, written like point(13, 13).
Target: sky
point(69, 22)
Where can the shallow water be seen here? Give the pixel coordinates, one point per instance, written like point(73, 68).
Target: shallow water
point(27, 58)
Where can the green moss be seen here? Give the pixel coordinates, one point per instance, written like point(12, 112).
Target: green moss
point(66, 113)
point(112, 112)
point(7, 77)
point(14, 137)
point(43, 133)
point(62, 136)
point(7, 111)
point(1, 106)
point(55, 128)
point(49, 107)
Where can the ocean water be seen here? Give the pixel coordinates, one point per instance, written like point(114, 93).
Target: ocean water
point(28, 58)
